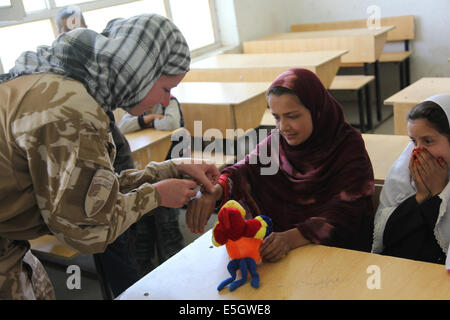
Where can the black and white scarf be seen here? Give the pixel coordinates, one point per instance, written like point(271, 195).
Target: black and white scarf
point(118, 66)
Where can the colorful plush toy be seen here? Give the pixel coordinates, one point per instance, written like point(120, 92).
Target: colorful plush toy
point(242, 239)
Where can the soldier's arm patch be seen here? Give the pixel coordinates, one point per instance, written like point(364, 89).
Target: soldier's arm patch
point(99, 191)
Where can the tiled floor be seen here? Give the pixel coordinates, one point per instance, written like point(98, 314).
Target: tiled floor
point(90, 288)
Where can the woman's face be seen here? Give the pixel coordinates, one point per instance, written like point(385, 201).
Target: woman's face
point(158, 94)
point(292, 118)
point(424, 135)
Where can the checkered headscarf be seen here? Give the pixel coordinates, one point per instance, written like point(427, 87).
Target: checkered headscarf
point(119, 66)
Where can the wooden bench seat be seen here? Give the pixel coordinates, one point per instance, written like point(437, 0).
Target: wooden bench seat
point(396, 56)
point(353, 82)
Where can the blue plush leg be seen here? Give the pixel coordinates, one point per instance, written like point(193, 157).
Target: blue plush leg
point(252, 268)
point(232, 267)
point(236, 284)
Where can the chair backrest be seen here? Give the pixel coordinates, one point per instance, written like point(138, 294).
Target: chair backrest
point(376, 196)
point(404, 27)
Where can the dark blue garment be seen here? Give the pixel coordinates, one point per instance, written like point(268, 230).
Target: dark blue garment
point(158, 237)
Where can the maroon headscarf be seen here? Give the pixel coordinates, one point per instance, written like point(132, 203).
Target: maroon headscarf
point(323, 186)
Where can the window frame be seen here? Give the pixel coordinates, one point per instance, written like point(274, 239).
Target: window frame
point(52, 10)
point(14, 13)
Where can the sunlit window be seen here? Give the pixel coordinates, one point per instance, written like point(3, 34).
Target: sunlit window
point(26, 24)
point(193, 18)
point(31, 34)
point(63, 3)
point(5, 3)
point(34, 5)
point(97, 19)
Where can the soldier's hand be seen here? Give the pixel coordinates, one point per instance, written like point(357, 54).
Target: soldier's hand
point(175, 192)
point(204, 172)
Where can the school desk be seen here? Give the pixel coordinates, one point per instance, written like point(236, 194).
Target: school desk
point(364, 46)
point(264, 67)
point(407, 98)
point(221, 106)
point(383, 151)
point(308, 272)
point(149, 145)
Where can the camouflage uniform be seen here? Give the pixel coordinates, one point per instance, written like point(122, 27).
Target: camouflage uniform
point(57, 175)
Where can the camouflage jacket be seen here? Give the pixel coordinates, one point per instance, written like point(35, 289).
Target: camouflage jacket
point(57, 176)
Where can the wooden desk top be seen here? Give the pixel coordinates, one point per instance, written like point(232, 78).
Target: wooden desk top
point(218, 93)
point(143, 138)
point(50, 245)
point(264, 67)
point(360, 32)
point(420, 90)
point(383, 150)
point(268, 60)
point(308, 272)
point(363, 45)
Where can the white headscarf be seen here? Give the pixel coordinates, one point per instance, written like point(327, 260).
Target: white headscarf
point(119, 66)
point(399, 186)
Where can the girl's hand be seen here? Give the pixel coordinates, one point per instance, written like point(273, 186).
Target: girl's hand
point(199, 211)
point(275, 246)
point(422, 191)
point(149, 118)
point(433, 172)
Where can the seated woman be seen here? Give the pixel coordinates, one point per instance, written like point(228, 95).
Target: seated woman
point(322, 190)
point(413, 220)
point(160, 118)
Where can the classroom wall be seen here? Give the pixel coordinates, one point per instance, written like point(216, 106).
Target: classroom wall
point(431, 48)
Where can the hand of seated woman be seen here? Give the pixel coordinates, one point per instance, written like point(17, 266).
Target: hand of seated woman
point(199, 210)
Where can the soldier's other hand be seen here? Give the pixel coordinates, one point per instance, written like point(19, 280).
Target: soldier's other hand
point(175, 192)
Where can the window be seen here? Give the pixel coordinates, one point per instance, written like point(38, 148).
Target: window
point(97, 19)
point(32, 21)
point(5, 3)
point(42, 34)
point(11, 10)
point(193, 18)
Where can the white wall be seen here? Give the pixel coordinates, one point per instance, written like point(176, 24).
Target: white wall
point(431, 48)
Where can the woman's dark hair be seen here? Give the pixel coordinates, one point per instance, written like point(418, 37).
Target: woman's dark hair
point(278, 91)
point(433, 113)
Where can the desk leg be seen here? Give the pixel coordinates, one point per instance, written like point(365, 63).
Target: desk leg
point(407, 75)
point(376, 73)
point(401, 69)
point(361, 111)
point(378, 89)
point(368, 107)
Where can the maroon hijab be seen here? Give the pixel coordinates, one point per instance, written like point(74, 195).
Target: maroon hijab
point(323, 186)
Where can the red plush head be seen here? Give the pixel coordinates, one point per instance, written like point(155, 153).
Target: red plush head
point(241, 237)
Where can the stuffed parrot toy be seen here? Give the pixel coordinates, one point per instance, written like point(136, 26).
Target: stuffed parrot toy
point(242, 239)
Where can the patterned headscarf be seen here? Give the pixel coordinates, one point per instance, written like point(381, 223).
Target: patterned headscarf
point(119, 66)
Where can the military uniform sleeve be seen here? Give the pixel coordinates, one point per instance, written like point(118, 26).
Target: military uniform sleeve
point(153, 172)
point(64, 136)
